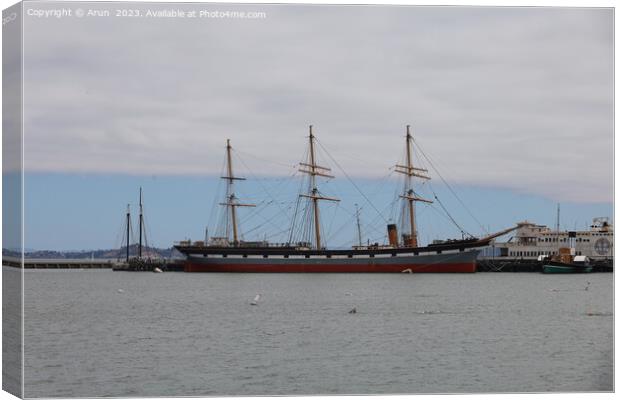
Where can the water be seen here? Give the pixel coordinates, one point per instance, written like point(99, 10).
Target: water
point(197, 334)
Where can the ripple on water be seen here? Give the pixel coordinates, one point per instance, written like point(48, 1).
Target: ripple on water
point(195, 335)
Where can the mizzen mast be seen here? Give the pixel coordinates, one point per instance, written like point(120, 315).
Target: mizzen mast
point(231, 200)
point(315, 170)
point(409, 194)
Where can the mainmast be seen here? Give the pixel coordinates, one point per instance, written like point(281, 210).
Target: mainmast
point(315, 170)
point(409, 194)
point(231, 200)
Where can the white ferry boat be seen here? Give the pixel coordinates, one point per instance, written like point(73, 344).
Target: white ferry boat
point(532, 241)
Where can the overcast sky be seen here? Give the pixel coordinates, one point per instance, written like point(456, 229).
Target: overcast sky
point(515, 98)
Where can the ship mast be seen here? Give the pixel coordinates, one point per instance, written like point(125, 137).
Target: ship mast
point(409, 194)
point(141, 221)
point(231, 200)
point(315, 170)
point(128, 229)
point(359, 227)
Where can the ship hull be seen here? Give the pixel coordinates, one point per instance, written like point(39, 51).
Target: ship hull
point(460, 262)
point(561, 268)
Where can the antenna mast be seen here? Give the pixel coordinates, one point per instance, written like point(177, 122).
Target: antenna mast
point(231, 202)
point(410, 172)
point(315, 170)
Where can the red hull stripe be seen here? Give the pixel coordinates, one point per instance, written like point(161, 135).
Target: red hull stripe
point(466, 267)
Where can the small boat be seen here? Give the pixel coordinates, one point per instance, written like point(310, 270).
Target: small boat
point(565, 262)
point(255, 301)
point(555, 267)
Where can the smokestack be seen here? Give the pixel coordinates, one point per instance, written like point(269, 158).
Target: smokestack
point(392, 235)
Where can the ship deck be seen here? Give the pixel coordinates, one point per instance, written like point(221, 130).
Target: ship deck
point(292, 251)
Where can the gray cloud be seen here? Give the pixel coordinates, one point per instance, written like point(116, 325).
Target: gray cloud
point(519, 98)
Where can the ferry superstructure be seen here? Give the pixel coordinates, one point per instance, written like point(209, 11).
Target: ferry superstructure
point(532, 241)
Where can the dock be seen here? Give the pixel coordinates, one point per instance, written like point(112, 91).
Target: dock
point(528, 265)
point(42, 263)
point(483, 265)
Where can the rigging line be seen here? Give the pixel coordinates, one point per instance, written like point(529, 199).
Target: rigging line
point(251, 214)
point(350, 180)
point(277, 233)
point(389, 206)
point(384, 179)
point(145, 228)
point(265, 221)
point(265, 160)
point(131, 233)
point(293, 221)
point(214, 212)
point(121, 233)
point(331, 223)
point(442, 215)
point(339, 229)
point(449, 187)
point(260, 183)
point(463, 231)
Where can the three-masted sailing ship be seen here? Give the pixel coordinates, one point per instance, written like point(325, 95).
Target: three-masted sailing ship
point(226, 254)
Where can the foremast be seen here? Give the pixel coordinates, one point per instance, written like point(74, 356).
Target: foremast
point(311, 168)
point(231, 203)
point(409, 194)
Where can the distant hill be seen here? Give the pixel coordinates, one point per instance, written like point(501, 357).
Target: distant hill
point(151, 252)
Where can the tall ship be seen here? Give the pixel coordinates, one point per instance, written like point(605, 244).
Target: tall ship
point(228, 253)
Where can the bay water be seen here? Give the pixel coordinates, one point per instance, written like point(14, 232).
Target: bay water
point(92, 333)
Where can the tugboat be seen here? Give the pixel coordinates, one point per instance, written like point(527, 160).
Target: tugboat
point(565, 261)
point(221, 254)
